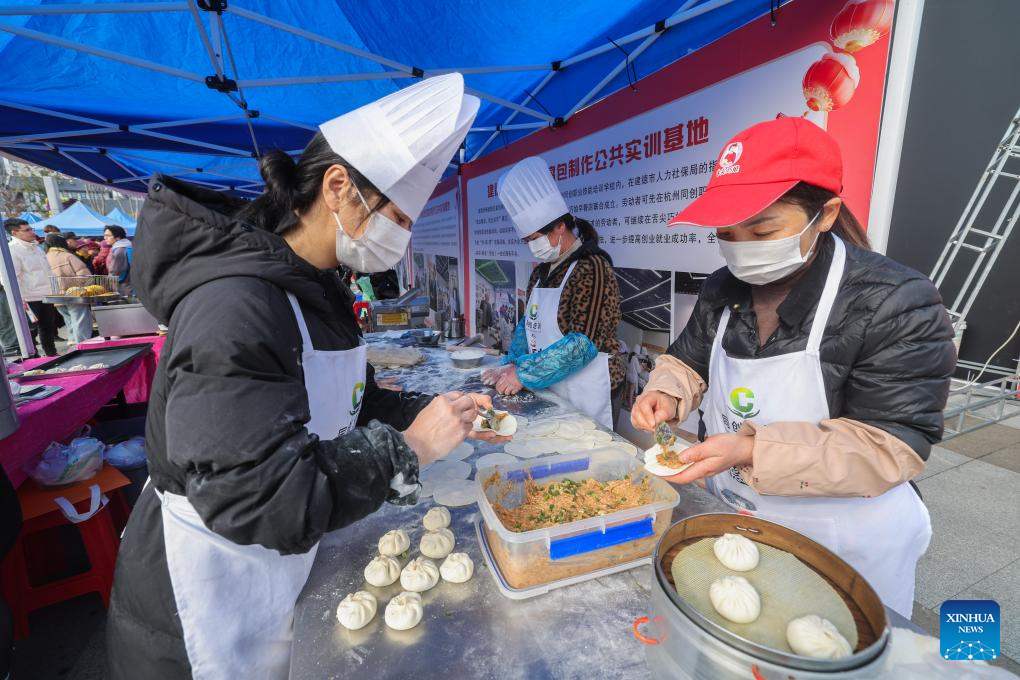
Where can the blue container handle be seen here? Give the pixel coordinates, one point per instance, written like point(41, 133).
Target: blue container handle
point(596, 540)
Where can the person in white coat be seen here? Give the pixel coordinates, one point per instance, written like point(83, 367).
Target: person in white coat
point(32, 270)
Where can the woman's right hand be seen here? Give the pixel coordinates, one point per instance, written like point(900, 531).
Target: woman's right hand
point(440, 426)
point(653, 407)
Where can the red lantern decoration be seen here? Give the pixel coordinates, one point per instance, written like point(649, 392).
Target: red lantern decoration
point(831, 81)
point(861, 23)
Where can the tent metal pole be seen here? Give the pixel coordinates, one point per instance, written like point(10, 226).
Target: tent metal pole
point(100, 52)
point(648, 42)
point(513, 114)
point(81, 165)
point(58, 114)
point(315, 80)
point(183, 122)
point(120, 165)
point(190, 142)
point(205, 39)
point(52, 135)
point(293, 123)
point(646, 309)
point(509, 104)
point(487, 69)
point(104, 8)
point(335, 44)
point(645, 32)
point(515, 126)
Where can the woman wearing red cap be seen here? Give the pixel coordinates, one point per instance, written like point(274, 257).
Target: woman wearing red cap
point(823, 393)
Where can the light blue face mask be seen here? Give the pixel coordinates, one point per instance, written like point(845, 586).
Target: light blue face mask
point(762, 262)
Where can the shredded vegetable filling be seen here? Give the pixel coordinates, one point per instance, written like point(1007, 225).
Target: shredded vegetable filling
point(567, 501)
point(670, 459)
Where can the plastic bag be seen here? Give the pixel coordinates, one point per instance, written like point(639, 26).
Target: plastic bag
point(78, 461)
point(916, 657)
point(127, 454)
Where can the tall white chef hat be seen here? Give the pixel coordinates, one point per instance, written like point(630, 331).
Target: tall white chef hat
point(403, 142)
point(530, 196)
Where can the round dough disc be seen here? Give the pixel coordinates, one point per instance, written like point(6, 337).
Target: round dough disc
point(656, 468)
point(522, 422)
point(623, 447)
point(493, 459)
point(598, 436)
point(443, 470)
point(586, 423)
point(460, 452)
point(569, 430)
point(456, 493)
point(543, 428)
point(517, 448)
point(528, 450)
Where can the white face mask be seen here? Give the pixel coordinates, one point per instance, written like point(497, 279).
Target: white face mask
point(543, 250)
point(761, 262)
point(379, 248)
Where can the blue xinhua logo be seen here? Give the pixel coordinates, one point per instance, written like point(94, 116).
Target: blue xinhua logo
point(969, 630)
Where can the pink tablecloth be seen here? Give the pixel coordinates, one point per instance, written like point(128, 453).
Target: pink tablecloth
point(137, 389)
point(59, 416)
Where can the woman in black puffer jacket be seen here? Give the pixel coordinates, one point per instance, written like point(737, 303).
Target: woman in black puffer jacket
point(824, 391)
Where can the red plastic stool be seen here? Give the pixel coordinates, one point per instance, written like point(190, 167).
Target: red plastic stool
point(98, 534)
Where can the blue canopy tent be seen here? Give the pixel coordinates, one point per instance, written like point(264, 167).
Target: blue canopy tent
point(118, 216)
point(81, 219)
point(112, 92)
point(31, 217)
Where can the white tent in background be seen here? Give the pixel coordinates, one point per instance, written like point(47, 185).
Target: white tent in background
point(118, 216)
point(82, 220)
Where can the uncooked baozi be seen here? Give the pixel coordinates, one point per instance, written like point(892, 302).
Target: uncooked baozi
point(394, 542)
point(382, 571)
point(736, 552)
point(816, 637)
point(404, 611)
point(457, 568)
point(356, 610)
point(437, 544)
point(436, 518)
point(419, 575)
point(735, 599)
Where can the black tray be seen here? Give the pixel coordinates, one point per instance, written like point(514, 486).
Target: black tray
point(113, 357)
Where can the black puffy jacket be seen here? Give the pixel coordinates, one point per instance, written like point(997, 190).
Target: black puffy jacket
point(887, 353)
point(227, 413)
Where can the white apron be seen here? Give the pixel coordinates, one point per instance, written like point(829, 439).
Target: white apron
point(236, 602)
point(882, 537)
point(588, 389)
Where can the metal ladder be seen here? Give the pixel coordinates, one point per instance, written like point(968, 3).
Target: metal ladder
point(975, 405)
point(994, 237)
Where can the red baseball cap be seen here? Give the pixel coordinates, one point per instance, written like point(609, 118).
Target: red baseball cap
point(761, 164)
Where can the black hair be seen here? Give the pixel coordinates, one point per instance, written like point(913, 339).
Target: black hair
point(811, 199)
point(56, 241)
point(50, 229)
point(12, 224)
point(292, 188)
point(116, 230)
point(577, 225)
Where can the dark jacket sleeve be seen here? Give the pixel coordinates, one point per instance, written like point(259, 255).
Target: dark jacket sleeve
point(235, 424)
point(397, 409)
point(900, 381)
point(694, 344)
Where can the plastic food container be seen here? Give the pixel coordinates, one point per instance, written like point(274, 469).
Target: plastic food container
point(530, 563)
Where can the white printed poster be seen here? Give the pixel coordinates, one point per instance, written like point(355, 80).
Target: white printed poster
point(436, 249)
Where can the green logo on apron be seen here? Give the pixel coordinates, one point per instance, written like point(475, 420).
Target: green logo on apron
point(742, 403)
point(533, 311)
point(357, 394)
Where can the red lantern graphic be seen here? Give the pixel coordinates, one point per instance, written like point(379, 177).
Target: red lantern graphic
point(861, 23)
point(831, 81)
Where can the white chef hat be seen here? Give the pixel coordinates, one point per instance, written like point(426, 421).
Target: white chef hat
point(403, 142)
point(530, 196)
